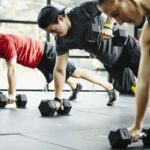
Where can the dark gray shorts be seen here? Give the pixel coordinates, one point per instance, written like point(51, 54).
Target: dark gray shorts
point(47, 63)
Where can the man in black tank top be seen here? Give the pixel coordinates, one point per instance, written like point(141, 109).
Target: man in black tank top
point(132, 11)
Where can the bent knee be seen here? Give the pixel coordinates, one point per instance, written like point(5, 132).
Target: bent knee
point(77, 73)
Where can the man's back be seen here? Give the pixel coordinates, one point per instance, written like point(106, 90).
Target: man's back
point(27, 50)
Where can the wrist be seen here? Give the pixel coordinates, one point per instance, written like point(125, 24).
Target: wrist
point(138, 125)
point(11, 96)
point(108, 26)
point(57, 99)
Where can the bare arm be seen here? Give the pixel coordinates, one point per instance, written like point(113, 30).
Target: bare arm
point(143, 84)
point(60, 74)
point(107, 32)
point(143, 76)
point(11, 65)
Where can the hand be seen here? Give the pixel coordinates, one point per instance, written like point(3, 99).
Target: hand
point(58, 102)
point(134, 132)
point(106, 34)
point(10, 99)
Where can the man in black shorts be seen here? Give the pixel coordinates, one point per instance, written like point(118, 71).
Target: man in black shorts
point(46, 66)
point(75, 30)
point(33, 53)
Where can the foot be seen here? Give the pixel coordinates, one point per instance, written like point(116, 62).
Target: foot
point(112, 97)
point(75, 92)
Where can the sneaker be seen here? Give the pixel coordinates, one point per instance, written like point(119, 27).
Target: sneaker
point(112, 97)
point(75, 92)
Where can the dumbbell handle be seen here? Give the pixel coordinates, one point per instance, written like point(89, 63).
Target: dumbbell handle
point(141, 135)
point(58, 103)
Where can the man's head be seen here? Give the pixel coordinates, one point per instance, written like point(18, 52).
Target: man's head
point(122, 10)
point(53, 20)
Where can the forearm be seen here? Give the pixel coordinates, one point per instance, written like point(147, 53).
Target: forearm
point(11, 75)
point(141, 103)
point(11, 81)
point(60, 74)
point(59, 80)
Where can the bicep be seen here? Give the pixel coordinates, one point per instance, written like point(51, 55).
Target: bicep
point(11, 63)
point(144, 72)
point(145, 38)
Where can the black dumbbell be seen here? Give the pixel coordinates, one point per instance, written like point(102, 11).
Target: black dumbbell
point(65, 107)
point(120, 37)
point(48, 107)
point(121, 138)
point(3, 101)
point(21, 100)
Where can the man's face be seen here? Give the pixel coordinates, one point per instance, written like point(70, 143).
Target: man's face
point(59, 29)
point(123, 11)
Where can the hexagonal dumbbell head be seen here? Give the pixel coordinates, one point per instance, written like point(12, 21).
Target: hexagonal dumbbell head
point(146, 138)
point(3, 101)
point(21, 100)
point(47, 107)
point(65, 108)
point(120, 37)
point(119, 138)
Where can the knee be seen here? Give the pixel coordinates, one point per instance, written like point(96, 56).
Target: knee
point(77, 73)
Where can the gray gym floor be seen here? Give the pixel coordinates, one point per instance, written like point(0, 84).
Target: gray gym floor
point(86, 128)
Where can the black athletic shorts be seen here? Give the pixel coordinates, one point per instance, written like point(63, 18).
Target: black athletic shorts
point(47, 63)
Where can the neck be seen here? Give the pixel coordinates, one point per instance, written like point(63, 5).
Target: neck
point(68, 22)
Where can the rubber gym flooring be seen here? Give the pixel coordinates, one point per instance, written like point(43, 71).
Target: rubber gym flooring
point(86, 128)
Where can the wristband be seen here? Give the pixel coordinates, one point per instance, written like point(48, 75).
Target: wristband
point(108, 26)
point(58, 100)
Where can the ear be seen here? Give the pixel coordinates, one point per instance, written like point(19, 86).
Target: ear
point(60, 17)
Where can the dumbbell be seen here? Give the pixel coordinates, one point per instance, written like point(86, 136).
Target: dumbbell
point(119, 38)
point(48, 107)
point(121, 138)
point(21, 100)
point(3, 100)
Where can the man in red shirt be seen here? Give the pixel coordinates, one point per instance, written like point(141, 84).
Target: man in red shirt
point(33, 53)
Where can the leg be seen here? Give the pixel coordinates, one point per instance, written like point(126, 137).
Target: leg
point(47, 63)
point(71, 84)
point(126, 81)
point(75, 87)
point(91, 77)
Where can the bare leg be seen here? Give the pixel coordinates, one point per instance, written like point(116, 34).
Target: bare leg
point(91, 77)
point(71, 84)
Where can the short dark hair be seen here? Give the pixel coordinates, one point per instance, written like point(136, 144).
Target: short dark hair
point(48, 15)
